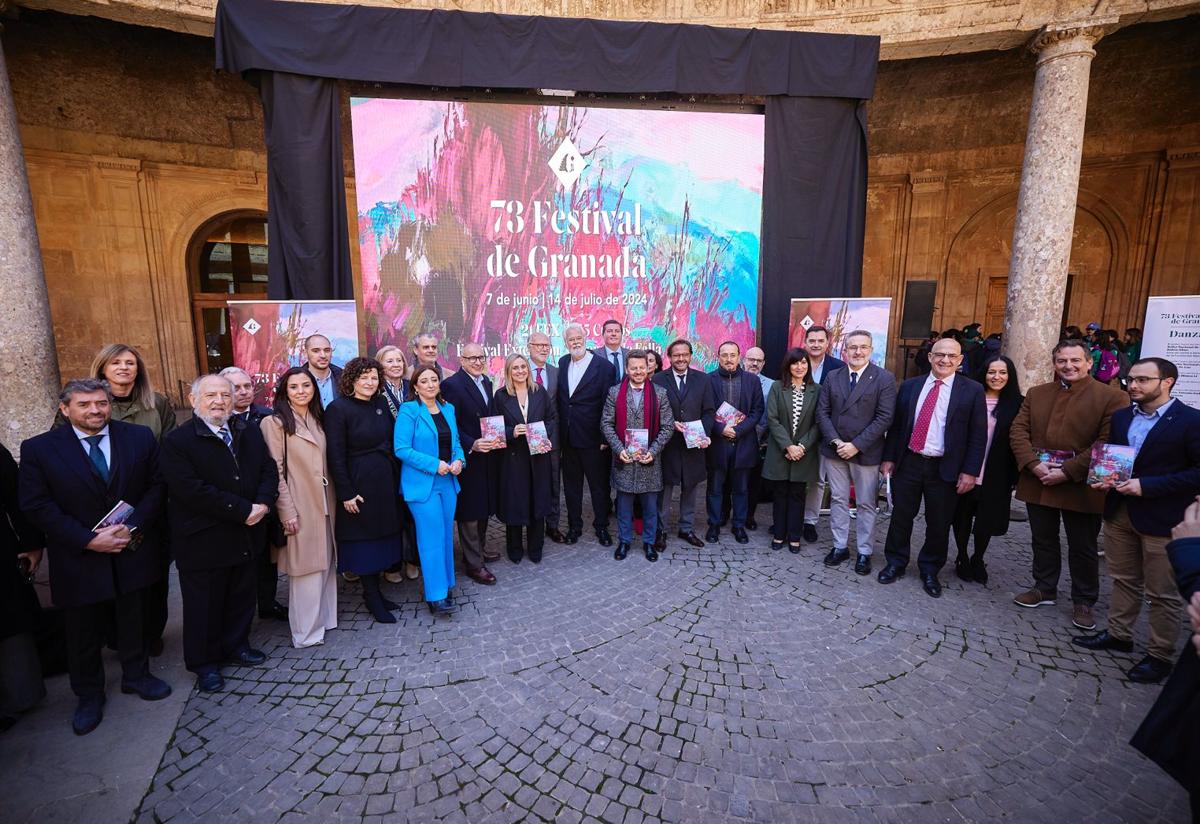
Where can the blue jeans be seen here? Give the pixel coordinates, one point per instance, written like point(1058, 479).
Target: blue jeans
point(434, 518)
point(738, 480)
point(649, 502)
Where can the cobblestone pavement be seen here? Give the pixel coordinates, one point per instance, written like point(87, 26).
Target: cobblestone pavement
point(723, 683)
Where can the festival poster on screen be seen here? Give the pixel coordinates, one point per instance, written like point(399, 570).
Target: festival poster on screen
point(484, 222)
point(840, 316)
point(1172, 331)
point(268, 336)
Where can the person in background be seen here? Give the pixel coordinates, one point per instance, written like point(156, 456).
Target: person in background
point(1106, 360)
point(754, 361)
point(358, 438)
point(470, 392)
point(688, 393)
point(545, 374)
point(425, 353)
point(1051, 439)
point(921, 356)
point(70, 479)
point(1140, 512)
point(431, 458)
point(21, 686)
point(1071, 333)
point(244, 406)
point(734, 450)
point(792, 441)
point(654, 363)
point(612, 351)
point(636, 403)
point(984, 511)
point(583, 383)
point(1091, 335)
point(318, 353)
point(523, 495)
point(306, 507)
point(1133, 344)
point(824, 364)
point(395, 392)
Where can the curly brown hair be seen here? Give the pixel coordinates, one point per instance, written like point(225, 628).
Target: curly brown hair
point(355, 369)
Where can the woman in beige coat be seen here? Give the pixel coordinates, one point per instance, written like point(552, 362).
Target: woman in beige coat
point(306, 507)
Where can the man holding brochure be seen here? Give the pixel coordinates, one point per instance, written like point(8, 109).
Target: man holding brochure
point(683, 463)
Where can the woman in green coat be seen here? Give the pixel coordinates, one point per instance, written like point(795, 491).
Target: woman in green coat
point(792, 439)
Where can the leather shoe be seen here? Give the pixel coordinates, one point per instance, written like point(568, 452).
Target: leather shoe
point(691, 538)
point(248, 657)
point(88, 714)
point(603, 537)
point(276, 611)
point(210, 682)
point(836, 556)
point(481, 576)
point(651, 553)
point(979, 570)
point(810, 533)
point(777, 544)
point(890, 573)
point(621, 551)
point(751, 524)
point(931, 585)
point(713, 535)
point(1149, 670)
point(148, 688)
point(1102, 640)
point(740, 535)
point(862, 566)
point(572, 537)
point(962, 568)
point(554, 535)
point(442, 607)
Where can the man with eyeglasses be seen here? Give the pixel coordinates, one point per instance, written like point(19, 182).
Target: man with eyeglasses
point(545, 374)
point(933, 453)
point(754, 361)
point(1140, 512)
point(854, 410)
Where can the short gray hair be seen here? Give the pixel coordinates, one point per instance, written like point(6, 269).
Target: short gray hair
point(196, 383)
point(84, 386)
point(422, 335)
point(229, 370)
point(574, 327)
point(859, 333)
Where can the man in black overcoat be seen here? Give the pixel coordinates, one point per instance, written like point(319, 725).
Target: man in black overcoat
point(222, 483)
point(71, 478)
point(691, 400)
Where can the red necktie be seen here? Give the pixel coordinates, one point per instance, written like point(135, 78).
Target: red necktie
point(921, 426)
point(539, 377)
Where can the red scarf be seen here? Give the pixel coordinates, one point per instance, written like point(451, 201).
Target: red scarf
point(649, 409)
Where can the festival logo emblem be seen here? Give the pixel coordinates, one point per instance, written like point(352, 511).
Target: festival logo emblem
point(567, 163)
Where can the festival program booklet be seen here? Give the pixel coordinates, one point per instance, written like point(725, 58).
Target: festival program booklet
point(1111, 464)
point(119, 514)
point(637, 443)
point(693, 434)
point(492, 429)
point(729, 414)
point(1054, 458)
point(538, 438)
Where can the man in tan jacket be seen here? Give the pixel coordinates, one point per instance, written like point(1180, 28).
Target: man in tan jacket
point(1052, 438)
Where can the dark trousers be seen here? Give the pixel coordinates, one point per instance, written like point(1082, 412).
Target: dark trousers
point(555, 488)
point(788, 510)
point(594, 464)
point(516, 535)
point(1083, 528)
point(915, 478)
point(218, 608)
point(966, 522)
point(154, 605)
point(737, 480)
point(87, 628)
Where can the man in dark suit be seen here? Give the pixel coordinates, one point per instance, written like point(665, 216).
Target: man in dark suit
point(612, 351)
point(318, 352)
point(734, 449)
point(1139, 515)
point(684, 467)
point(222, 484)
point(584, 379)
point(816, 343)
point(545, 375)
point(470, 391)
point(70, 479)
point(854, 410)
point(933, 452)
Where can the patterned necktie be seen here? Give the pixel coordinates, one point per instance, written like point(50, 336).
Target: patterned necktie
point(921, 426)
point(97, 456)
point(225, 436)
point(539, 377)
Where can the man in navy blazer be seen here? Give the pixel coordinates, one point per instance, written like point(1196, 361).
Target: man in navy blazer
point(734, 449)
point(71, 477)
point(584, 379)
point(933, 451)
point(1139, 515)
point(823, 364)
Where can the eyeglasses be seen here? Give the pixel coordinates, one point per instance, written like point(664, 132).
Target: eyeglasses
point(943, 356)
point(474, 358)
point(1140, 380)
point(860, 348)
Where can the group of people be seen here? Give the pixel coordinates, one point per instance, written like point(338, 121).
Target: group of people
point(369, 470)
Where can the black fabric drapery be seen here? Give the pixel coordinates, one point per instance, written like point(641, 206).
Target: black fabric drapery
point(814, 194)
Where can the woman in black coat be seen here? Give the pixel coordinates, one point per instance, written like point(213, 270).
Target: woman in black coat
point(523, 498)
point(358, 443)
point(984, 510)
point(21, 551)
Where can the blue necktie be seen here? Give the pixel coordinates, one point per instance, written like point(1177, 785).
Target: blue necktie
point(616, 363)
point(225, 436)
point(96, 455)
point(853, 380)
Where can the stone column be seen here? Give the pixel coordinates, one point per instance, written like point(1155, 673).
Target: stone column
point(1041, 249)
point(29, 366)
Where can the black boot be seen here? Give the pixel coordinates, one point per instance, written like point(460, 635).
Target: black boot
point(373, 598)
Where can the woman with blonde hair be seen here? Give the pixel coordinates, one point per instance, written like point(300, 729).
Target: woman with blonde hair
point(134, 399)
point(395, 391)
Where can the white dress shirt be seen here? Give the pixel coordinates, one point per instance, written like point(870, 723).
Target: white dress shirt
point(935, 439)
point(575, 370)
point(618, 364)
point(105, 444)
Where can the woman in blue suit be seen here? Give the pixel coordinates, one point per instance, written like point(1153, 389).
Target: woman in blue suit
point(431, 457)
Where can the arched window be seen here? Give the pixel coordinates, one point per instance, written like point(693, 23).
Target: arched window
point(227, 261)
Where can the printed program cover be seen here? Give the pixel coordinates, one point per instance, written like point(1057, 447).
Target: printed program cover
point(693, 434)
point(637, 443)
point(1111, 464)
point(538, 438)
point(1055, 458)
point(729, 414)
point(492, 429)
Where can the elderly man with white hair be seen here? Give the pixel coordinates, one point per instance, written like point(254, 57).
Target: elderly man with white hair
point(244, 406)
point(221, 485)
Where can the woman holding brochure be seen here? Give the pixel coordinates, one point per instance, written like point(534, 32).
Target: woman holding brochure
point(523, 499)
point(792, 440)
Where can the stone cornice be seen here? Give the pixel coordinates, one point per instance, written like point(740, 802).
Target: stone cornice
point(1057, 39)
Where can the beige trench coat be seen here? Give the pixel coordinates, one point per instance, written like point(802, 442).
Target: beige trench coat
point(307, 494)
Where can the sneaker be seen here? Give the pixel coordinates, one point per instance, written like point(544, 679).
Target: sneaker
point(1081, 616)
point(1036, 598)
